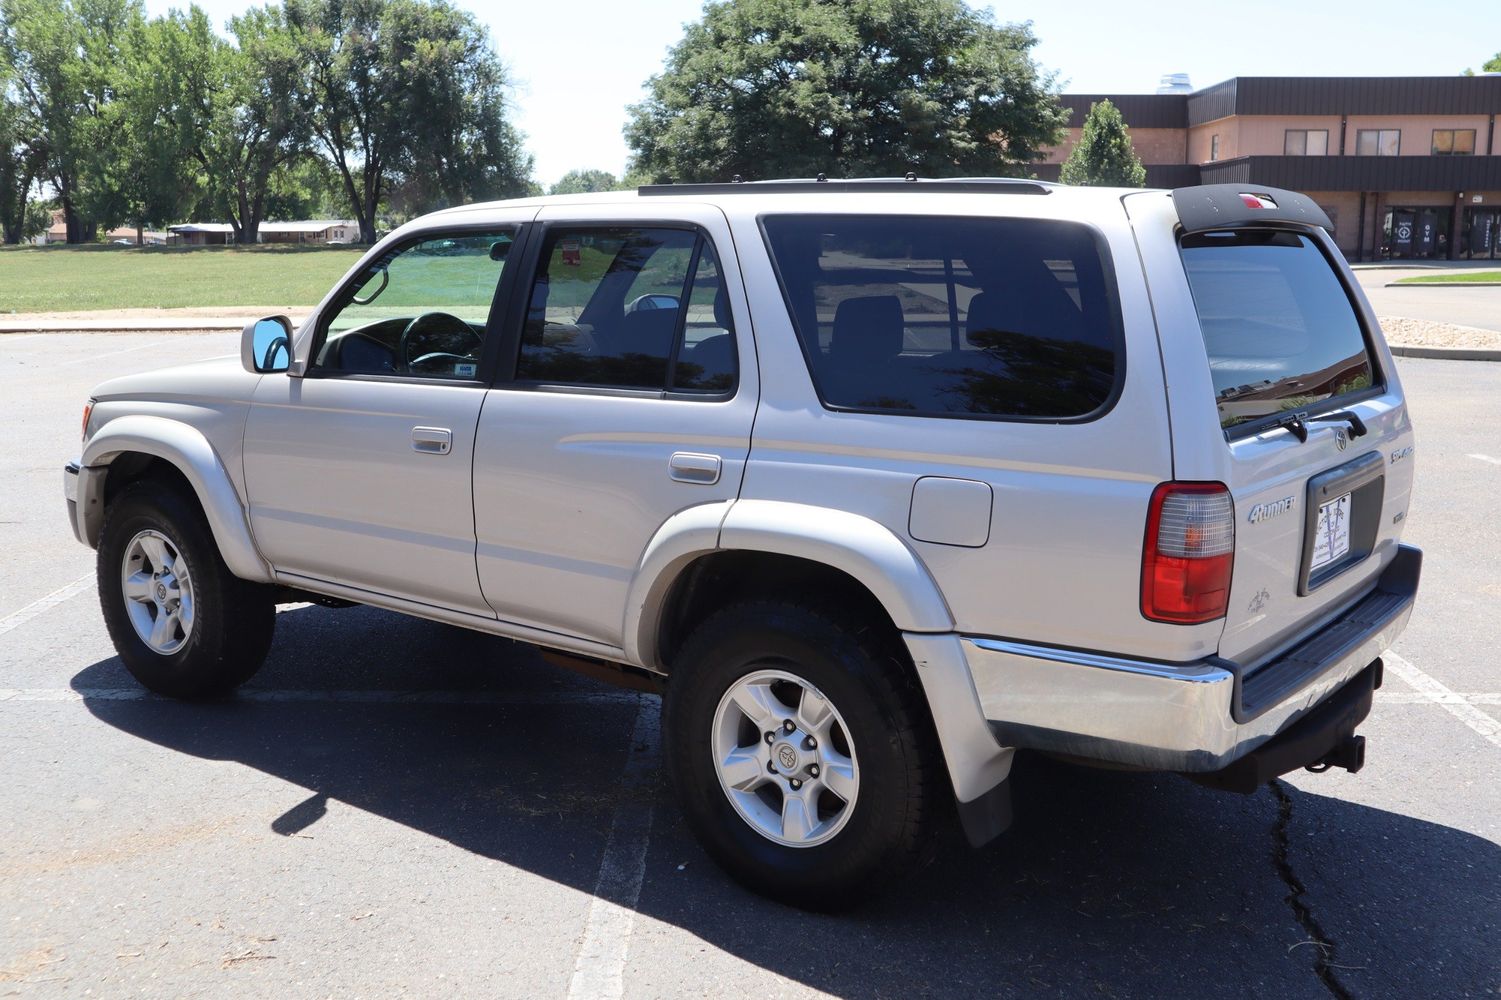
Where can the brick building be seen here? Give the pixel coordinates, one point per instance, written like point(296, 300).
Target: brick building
point(1406, 167)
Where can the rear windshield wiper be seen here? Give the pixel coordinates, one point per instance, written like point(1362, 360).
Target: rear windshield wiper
point(1296, 423)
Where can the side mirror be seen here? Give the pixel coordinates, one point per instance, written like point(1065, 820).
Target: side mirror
point(266, 345)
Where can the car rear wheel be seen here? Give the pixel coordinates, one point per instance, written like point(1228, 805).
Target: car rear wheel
point(183, 625)
point(801, 750)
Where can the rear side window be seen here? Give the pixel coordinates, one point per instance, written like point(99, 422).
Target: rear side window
point(940, 316)
point(1279, 328)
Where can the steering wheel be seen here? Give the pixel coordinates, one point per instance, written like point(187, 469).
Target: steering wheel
point(431, 323)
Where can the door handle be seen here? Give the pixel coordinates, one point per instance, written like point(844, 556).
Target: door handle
point(690, 467)
point(432, 440)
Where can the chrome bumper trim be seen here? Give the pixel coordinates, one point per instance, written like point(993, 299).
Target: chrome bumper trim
point(1160, 716)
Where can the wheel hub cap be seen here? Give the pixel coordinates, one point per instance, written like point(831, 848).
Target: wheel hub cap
point(158, 592)
point(784, 758)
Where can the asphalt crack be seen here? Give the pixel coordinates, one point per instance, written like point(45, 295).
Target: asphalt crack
point(1324, 966)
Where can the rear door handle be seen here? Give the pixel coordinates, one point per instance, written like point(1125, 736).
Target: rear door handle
point(432, 440)
point(691, 467)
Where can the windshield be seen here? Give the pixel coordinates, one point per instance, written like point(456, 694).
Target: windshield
point(1279, 328)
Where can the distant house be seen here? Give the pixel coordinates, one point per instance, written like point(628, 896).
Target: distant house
point(149, 237)
point(310, 231)
point(200, 234)
point(55, 233)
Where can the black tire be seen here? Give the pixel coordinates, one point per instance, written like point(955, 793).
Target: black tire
point(233, 619)
point(863, 671)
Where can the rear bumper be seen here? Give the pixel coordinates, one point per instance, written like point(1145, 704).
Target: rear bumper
point(1195, 717)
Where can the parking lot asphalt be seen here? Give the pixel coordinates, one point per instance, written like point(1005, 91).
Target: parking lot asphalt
point(1478, 306)
point(393, 807)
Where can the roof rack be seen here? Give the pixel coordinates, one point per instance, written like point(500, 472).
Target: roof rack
point(861, 185)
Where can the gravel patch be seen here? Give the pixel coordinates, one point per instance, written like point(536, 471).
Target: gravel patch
point(1401, 331)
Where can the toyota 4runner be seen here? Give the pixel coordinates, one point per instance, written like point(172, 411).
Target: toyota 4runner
point(880, 480)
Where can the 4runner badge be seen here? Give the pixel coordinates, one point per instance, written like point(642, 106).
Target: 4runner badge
point(1267, 511)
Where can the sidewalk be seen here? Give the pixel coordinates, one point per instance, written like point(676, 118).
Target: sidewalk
point(145, 320)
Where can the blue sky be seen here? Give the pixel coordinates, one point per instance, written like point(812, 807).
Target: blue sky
point(578, 63)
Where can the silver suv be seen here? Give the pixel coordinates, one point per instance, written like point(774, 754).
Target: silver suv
point(880, 480)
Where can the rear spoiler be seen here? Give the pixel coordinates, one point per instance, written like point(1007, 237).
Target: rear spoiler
point(1237, 206)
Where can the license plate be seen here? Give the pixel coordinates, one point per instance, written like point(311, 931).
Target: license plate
point(1331, 539)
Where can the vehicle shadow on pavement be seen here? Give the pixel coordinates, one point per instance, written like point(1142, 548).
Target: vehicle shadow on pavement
point(1109, 884)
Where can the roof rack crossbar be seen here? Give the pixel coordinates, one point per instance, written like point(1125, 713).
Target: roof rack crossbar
point(958, 185)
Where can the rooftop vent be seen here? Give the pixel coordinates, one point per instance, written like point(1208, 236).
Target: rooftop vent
point(1174, 83)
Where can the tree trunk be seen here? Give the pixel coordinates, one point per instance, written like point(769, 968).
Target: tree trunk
point(75, 225)
point(140, 235)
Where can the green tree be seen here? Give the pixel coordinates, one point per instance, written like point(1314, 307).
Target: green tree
point(584, 182)
point(407, 97)
point(146, 173)
point(252, 121)
point(1103, 157)
point(767, 88)
point(1492, 65)
point(20, 165)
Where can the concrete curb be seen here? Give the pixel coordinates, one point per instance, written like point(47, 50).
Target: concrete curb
point(1448, 353)
point(183, 325)
point(1407, 283)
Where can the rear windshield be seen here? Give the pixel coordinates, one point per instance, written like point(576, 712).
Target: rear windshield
point(1279, 328)
point(929, 316)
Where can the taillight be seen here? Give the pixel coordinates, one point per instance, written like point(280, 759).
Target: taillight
point(88, 409)
point(1188, 554)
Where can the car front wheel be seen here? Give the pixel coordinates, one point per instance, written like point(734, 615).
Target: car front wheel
point(184, 626)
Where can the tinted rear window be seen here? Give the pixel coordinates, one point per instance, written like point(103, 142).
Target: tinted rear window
point(1280, 330)
point(1008, 318)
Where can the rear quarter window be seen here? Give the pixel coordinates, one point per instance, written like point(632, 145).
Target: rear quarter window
point(1279, 328)
point(951, 316)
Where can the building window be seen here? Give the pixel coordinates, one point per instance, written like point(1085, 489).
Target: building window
point(1214, 148)
point(1305, 142)
point(1378, 142)
point(1453, 142)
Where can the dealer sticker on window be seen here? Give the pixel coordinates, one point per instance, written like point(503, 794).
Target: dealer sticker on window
point(1331, 538)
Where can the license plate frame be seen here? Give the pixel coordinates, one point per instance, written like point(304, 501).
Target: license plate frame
point(1363, 481)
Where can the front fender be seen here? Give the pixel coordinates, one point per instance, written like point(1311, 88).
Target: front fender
point(187, 449)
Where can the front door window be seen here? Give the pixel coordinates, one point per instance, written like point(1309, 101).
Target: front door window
point(420, 310)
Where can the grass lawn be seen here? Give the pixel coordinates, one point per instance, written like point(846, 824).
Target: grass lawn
point(1448, 276)
point(66, 278)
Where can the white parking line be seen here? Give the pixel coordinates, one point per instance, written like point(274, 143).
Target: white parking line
point(1413, 698)
point(21, 616)
point(356, 697)
point(599, 972)
point(1487, 458)
point(1435, 691)
point(111, 354)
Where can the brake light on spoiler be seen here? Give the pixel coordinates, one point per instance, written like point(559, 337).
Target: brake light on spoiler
point(1188, 553)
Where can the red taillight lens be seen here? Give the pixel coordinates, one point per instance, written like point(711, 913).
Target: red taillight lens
point(1188, 554)
point(88, 409)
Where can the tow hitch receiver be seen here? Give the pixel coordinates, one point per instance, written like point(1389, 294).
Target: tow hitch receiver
point(1349, 754)
point(1322, 739)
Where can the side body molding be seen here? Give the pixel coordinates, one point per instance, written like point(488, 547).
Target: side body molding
point(190, 452)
